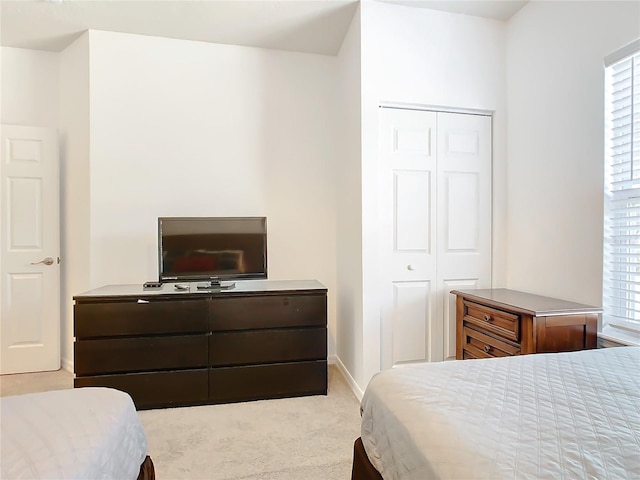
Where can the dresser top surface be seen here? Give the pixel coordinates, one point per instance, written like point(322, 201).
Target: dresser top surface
point(536, 305)
point(241, 287)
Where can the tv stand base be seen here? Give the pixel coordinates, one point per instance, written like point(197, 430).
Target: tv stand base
point(216, 285)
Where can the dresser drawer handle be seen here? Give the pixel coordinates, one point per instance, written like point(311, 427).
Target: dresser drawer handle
point(487, 318)
point(487, 348)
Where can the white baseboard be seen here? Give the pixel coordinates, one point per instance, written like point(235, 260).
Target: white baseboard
point(335, 360)
point(67, 364)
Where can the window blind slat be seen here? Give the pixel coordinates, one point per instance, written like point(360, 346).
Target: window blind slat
point(621, 267)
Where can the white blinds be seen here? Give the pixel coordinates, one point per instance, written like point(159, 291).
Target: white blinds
point(621, 299)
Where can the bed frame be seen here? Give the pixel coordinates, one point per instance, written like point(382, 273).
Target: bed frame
point(147, 471)
point(362, 467)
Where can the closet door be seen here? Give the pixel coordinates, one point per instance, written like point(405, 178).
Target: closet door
point(464, 215)
point(407, 235)
point(435, 227)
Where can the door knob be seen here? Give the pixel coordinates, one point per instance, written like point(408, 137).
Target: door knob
point(46, 261)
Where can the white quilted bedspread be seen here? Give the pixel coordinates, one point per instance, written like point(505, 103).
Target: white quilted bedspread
point(84, 433)
point(546, 416)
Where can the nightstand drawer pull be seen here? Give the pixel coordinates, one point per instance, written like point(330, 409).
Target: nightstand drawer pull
point(487, 348)
point(487, 318)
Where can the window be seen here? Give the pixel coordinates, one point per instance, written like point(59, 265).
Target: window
point(621, 272)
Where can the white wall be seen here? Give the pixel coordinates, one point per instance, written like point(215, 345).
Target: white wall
point(556, 117)
point(30, 96)
point(349, 205)
point(29, 87)
point(75, 221)
point(196, 129)
point(431, 58)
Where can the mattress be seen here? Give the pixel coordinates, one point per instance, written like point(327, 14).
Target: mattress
point(559, 415)
point(85, 433)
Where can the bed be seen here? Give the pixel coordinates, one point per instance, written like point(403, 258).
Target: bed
point(83, 433)
point(557, 415)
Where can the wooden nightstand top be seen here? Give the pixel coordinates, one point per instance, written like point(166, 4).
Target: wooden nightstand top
point(527, 303)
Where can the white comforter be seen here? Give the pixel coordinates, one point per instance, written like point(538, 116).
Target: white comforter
point(546, 416)
point(85, 433)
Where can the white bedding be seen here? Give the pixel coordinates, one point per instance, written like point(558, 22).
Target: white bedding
point(553, 416)
point(84, 433)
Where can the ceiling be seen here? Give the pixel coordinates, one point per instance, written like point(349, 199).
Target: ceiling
point(495, 9)
point(313, 26)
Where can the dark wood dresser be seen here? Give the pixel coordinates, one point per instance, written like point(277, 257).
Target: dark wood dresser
point(261, 339)
point(500, 322)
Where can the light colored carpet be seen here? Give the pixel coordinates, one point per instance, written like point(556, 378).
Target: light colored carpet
point(286, 439)
point(304, 438)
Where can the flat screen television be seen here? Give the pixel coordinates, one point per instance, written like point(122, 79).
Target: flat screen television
point(212, 248)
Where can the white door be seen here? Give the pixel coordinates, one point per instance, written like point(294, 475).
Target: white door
point(407, 235)
point(464, 215)
point(435, 227)
point(30, 247)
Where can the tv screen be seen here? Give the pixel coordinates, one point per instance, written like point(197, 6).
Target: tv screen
point(203, 248)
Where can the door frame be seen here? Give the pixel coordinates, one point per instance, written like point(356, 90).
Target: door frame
point(438, 108)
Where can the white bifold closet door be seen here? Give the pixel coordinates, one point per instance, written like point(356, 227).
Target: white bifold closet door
point(435, 227)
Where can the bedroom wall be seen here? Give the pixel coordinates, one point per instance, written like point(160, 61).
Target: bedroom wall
point(431, 58)
point(556, 116)
point(75, 220)
point(181, 128)
point(349, 202)
point(29, 87)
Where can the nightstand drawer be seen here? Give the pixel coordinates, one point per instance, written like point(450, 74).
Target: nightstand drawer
point(501, 323)
point(480, 345)
point(467, 355)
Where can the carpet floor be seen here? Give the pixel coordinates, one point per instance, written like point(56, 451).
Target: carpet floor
point(304, 438)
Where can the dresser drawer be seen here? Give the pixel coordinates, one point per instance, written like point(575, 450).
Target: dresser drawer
point(232, 384)
point(501, 323)
point(481, 345)
point(140, 317)
point(156, 389)
point(269, 311)
point(265, 346)
point(139, 354)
